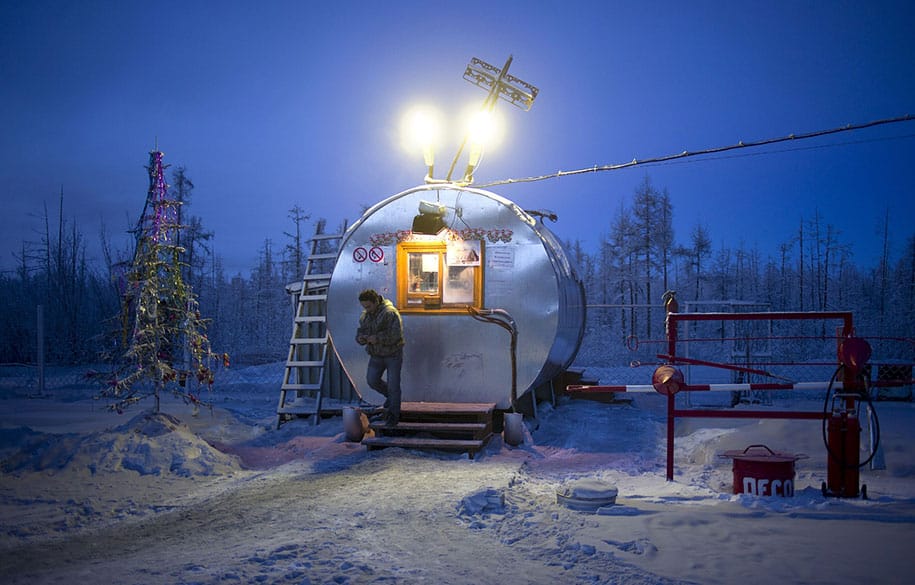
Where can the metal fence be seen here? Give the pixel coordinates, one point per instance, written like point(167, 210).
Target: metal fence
point(755, 351)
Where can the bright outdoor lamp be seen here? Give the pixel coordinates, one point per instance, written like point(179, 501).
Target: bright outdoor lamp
point(421, 125)
point(484, 129)
point(422, 130)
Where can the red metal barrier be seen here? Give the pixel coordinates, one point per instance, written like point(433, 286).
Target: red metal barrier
point(670, 387)
point(851, 352)
point(673, 320)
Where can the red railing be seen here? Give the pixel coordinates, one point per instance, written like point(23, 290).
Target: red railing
point(675, 383)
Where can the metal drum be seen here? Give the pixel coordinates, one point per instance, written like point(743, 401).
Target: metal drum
point(520, 270)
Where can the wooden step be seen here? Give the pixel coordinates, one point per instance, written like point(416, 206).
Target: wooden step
point(448, 407)
point(310, 319)
point(304, 364)
point(469, 445)
point(300, 409)
point(475, 430)
point(454, 426)
point(447, 411)
point(307, 340)
point(326, 237)
point(306, 296)
point(313, 277)
point(300, 387)
point(329, 256)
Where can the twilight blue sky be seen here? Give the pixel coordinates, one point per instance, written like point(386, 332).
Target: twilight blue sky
point(269, 104)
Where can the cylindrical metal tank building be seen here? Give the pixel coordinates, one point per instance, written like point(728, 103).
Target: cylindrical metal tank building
point(436, 251)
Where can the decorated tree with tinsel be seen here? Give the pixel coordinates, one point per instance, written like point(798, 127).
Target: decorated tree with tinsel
point(167, 349)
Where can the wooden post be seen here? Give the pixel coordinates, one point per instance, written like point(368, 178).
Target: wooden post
point(40, 348)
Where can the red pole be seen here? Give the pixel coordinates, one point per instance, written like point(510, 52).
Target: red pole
point(670, 437)
point(670, 324)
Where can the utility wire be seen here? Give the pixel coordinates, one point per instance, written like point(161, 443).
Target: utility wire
point(687, 154)
point(790, 149)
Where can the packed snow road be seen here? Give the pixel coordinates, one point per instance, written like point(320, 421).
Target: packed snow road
point(355, 520)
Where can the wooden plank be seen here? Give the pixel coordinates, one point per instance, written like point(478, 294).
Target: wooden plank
point(326, 237)
point(433, 427)
point(307, 340)
point(305, 364)
point(297, 409)
point(302, 364)
point(312, 297)
point(301, 387)
point(328, 256)
point(448, 407)
point(423, 443)
point(310, 319)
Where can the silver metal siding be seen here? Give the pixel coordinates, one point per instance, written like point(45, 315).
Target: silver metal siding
point(455, 358)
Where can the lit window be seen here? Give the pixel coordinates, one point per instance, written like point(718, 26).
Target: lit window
point(437, 276)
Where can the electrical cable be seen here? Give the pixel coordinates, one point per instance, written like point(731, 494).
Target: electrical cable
point(686, 154)
point(784, 150)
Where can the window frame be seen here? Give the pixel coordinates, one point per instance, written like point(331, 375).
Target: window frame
point(407, 300)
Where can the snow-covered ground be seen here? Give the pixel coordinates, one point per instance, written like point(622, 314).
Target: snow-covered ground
point(87, 496)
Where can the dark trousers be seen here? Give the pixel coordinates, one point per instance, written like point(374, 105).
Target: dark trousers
point(390, 389)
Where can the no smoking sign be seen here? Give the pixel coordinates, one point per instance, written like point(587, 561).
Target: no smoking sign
point(360, 254)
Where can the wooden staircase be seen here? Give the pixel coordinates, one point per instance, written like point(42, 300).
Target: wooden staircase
point(440, 426)
point(309, 344)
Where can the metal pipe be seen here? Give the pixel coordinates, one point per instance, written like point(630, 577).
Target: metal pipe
point(845, 316)
point(682, 360)
point(507, 322)
point(648, 388)
point(780, 414)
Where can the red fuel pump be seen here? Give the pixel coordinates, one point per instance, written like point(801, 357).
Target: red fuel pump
point(843, 444)
point(841, 424)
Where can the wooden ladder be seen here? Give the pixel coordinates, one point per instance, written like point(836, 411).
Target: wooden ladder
point(307, 358)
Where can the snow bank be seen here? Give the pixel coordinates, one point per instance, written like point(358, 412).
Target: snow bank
point(149, 444)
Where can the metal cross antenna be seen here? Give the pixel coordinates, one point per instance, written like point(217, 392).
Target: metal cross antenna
point(500, 84)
